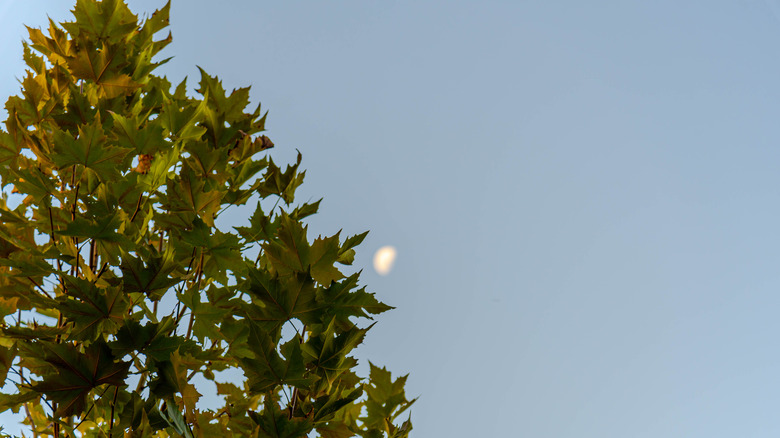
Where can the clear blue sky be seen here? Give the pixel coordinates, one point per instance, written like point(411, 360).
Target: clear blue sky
point(585, 196)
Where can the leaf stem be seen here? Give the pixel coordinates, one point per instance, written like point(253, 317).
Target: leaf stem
point(30, 419)
point(43, 291)
point(137, 207)
point(197, 291)
point(92, 256)
point(111, 422)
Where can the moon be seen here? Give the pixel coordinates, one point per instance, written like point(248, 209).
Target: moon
point(384, 259)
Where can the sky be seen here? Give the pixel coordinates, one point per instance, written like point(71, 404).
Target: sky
point(584, 196)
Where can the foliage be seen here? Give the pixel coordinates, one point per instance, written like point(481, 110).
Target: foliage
point(117, 288)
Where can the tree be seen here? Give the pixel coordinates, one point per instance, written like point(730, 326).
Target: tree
point(117, 286)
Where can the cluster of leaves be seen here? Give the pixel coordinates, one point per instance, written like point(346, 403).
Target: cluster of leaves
point(116, 286)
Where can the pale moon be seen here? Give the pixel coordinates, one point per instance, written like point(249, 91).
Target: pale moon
point(384, 259)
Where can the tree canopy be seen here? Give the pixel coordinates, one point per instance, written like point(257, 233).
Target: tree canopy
point(117, 286)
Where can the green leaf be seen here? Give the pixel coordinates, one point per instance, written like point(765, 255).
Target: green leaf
point(267, 369)
point(151, 278)
point(324, 253)
point(101, 228)
point(283, 184)
point(190, 196)
point(222, 250)
point(209, 314)
point(230, 108)
point(346, 252)
point(290, 252)
point(175, 419)
point(107, 19)
point(13, 401)
point(328, 351)
point(386, 400)
point(181, 120)
point(340, 301)
point(280, 299)
point(327, 406)
point(261, 228)
point(143, 137)
point(7, 356)
point(89, 150)
point(77, 374)
point(26, 264)
point(93, 311)
point(274, 423)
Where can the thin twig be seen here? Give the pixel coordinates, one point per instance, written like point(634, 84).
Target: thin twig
point(84, 418)
point(30, 419)
point(295, 391)
point(137, 207)
point(180, 313)
point(92, 256)
point(51, 224)
point(111, 422)
point(197, 290)
point(102, 270)
point(43, 291)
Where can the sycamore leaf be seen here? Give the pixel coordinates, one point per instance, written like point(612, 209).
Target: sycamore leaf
point(222, 250)
point(327, 406)
point(305, 210)
point(118, 85)
point(267, 369)
point(283, 184)
point(101, 228)
point(143, 137)
point(135, 415)
point(230, 107)
point(9, 149)
point(152, 340)
point(25, 264)
point(172, 415)
point(8, 306)
point(151, 278)
point(33, 182)
point(189, 396)
point(107, 19)
point(40, 332)
point(160, 169)
point(89, 150)
point(346, 252)
point(274, 423)
point(91, 309)
point(261, 228)
point(291, 252)
point(324, 253)
point(13, 401)
point(280, 299)
point(78, 373)
point(191, 194)
point(328, 351)
point(181, 121)
point(208, 315)
point(386, 399)
point(7, 356)
point(340, 301)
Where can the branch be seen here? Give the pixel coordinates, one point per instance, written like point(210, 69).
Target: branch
point(111, 423)
point(137, 207)
point(40, 288)
point(197, 290)
point(30, 419)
